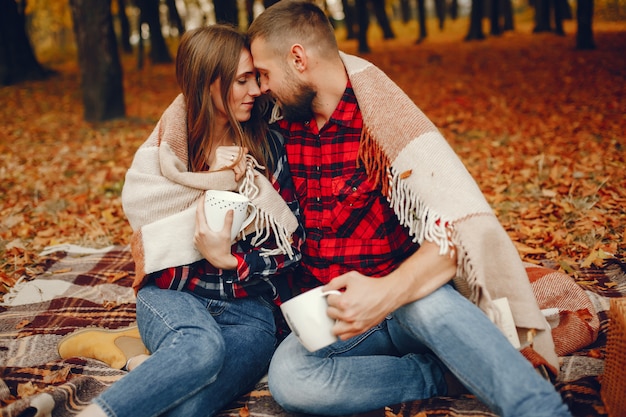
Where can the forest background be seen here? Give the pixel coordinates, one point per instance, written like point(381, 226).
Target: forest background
point(540, 124)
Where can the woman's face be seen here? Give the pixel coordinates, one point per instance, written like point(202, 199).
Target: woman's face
point(243, 92)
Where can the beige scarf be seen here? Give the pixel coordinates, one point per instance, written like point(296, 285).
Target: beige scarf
point(436, 198)
point(160, 197)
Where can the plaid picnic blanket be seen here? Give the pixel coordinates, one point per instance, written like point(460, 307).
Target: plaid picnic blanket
point(92, 288)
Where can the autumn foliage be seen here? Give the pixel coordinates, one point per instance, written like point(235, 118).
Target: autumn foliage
point(541, 126)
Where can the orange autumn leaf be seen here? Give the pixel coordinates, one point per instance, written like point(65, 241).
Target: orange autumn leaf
point(22, 324)
point(56, 376)
point(244, 411)
point(114, 277)
point(27, 389)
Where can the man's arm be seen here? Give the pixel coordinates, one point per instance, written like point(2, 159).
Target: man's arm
point(366, 301)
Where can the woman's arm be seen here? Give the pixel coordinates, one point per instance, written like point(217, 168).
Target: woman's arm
point(244, 259)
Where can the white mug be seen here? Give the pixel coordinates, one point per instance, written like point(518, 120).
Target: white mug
point(306, 316)
point(218, 202)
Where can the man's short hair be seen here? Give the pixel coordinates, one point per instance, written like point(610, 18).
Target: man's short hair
point(294, 21)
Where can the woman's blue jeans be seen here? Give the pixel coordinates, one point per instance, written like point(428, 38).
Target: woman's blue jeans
point(204, 354)
point(405, 357)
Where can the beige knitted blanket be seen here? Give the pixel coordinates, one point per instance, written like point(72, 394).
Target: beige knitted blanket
point(435, 196)
point(160, 197)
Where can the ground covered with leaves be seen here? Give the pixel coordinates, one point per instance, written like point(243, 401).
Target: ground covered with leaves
point(540, 125)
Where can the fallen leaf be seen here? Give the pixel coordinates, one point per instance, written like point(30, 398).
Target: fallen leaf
point(244, 411)
point(56, 376)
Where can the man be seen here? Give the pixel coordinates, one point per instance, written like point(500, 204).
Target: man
point(395, 221)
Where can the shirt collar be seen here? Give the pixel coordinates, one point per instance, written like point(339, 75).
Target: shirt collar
point(347, 108)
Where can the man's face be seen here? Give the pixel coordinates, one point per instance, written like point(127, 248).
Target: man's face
point(279, 79)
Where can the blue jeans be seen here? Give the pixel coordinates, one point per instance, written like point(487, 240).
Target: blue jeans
point(405, 357)
point(204, 354)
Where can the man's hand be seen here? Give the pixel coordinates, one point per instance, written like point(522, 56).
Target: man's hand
point(364, 303)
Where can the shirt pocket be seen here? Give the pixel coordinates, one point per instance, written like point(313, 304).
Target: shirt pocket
point(354, 196)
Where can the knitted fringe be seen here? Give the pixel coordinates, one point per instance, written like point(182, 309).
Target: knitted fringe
point(413, 213)
point(265, 222)
point(276, 114)
point(374, 161)
point(423, 223)
point(248, 188)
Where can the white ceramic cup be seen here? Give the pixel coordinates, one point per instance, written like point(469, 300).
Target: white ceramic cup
point(306, 316)
point(218, 202)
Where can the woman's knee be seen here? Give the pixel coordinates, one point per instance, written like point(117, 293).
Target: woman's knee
point(198, 351)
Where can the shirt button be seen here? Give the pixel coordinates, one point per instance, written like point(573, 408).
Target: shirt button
point(318, 168)
point(318, 199)
point(354, 189)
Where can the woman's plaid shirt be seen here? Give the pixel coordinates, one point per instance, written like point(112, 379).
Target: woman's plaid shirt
point(256, 274)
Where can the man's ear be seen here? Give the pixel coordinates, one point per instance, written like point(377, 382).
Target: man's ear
point(298, 57)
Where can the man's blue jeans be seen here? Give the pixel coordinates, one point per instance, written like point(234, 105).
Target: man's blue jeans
point(204, 354)
point(405, 357)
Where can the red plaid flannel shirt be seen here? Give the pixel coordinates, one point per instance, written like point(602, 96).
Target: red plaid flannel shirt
point(349, 223)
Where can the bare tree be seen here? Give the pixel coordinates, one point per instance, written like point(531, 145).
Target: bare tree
point(124, 26)
point(150, 15)
point(174, 16)
point(476, 21)
point(98, 58)
point(507, 14)
point(226, 11)
point(17, 59)
point(584, 17)
point(545, 10)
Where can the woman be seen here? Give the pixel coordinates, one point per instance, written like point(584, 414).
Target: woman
point(205, 306)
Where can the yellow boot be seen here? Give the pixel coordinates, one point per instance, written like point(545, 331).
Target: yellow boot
point(111, 346)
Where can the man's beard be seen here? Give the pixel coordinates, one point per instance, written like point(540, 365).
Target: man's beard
point(300, 108)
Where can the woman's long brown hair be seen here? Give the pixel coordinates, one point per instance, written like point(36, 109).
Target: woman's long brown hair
point(204, 55)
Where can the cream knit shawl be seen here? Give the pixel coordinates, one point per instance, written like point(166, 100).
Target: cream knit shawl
point(436, 198)
point(160, 197)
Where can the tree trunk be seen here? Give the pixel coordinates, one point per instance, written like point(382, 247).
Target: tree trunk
point(174, 16)
point(421, 20)
point(566, 9)
point(584, 17)
point(363, 23)
point(17, 59)
point(226, 11)
point(378, 7)
point(100, 69)
point(440, 11)
point(349, 14)
point(476, 21)
point(405, 11)
point(558, 17)
point(159, 53)
point(250, 11)
point(454, 9)
point(507, 13)
point(124, 26)
point(494, 18)
point(542, 16)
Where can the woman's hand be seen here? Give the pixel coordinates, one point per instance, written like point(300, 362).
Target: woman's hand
point(215, 246)
point(233, 157)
